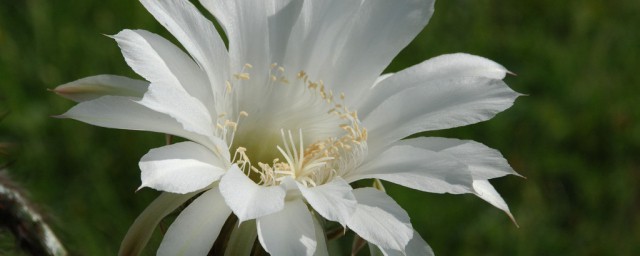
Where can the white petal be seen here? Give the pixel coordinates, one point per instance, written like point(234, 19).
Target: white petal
point(242, 239)
point(246, 25)
point(247, 199)
point(487, 192)
point(125, 113)
point(93, 87)
point(347, 44)
point(164, 64)
point(443, 67)
point(197, 226)
point(380, 220)
point(178, 87)
point(288, 232)
point(444, 104)
point(333, 200)
point(417, 246)
point(315, 32)
point(282, 15)
point(180, 168)
point(484, 162)
point(198, 36)
point(416, 168)
point(142, 228)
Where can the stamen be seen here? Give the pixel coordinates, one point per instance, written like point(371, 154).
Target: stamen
point(313, 164)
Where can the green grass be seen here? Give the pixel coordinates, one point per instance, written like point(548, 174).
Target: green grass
point(576, 137)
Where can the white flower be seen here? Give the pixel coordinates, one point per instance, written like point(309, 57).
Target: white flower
point(288, 116)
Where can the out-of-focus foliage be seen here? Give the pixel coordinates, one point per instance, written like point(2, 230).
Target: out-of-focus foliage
point(576, 137)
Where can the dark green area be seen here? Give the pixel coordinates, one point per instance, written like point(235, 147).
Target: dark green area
point(576, 137)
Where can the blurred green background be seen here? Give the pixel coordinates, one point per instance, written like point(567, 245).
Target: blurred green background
point(576, 137)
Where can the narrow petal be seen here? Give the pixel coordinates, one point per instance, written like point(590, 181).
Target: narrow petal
point(242, 239)
point(247, 199)
point(125, 113)
point(321, 240)
point(445, 104)
point(178, 87)
point(198, 36)
point(93, 87)
point(380, 220)
point(333, 200)
point(484, 162)
point(288, 232)
point(162, 63)
point(443, 67)
point(443, 92)
point(180, 168)
point(416, 168)
point(487, 192)
point(197, 226)
point(417, 246)
point(142, 228)
point(347, 44)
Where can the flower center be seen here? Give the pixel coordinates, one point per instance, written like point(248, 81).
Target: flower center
point(291, 128)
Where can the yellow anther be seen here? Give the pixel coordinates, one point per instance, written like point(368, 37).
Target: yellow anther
point(228, 86)
point(248, 66)
point(244, 113)
point(242, 76)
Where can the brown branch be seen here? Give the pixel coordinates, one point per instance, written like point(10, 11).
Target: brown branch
point(27, 225)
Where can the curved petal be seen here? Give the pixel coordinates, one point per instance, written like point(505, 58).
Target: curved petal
point(443, 67)
point(348, 44)
point(380, 220)
point(93, 87)
point(142, 228)
point(180, 168)
point(247, 199)
point(444, 104)
point(178, 87)
point(417, 246)
point(125, 113)
point(198, 36)
point(416, 168)
point(288, 232)
point(484, 162)
point(333, 200)
point(487, 192)
point(197, 226)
